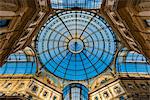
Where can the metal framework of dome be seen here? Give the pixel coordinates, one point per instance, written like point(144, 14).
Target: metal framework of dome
point(83, 4)
point(75, 91)
point(21, 62)
point(76, 45)
point(132, 62)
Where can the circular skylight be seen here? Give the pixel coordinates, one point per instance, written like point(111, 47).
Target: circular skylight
point(75, 45)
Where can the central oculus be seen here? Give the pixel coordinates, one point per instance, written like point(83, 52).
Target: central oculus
point(75, 45)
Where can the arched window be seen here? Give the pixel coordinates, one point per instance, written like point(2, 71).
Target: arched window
point(131, 62)
point(21, 62)
point(75, 91)
point(84, 4)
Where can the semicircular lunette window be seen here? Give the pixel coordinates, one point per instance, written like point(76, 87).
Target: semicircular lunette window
point(84, 4)
point(76, 45)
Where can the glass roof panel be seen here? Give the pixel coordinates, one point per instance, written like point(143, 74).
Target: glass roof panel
point(76, 45)
point(84, 4)
point(75, 91)
point(132, 62)
point(19, 63)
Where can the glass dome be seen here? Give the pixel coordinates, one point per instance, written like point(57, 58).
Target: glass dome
point(76, 45)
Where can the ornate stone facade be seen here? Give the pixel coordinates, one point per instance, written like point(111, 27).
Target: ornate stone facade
point(27, 87)
point(20, 22)
point(122, 88)
point(129, 19)
point(24, 18)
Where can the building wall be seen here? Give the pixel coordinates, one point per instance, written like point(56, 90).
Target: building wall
point(129, 19)
point(28, 86)
point(123, 88)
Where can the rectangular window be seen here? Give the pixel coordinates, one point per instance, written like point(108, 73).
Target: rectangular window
point(121, 98)
point(4, 23)
point(45, 94)
point(8, 85)
point(54, 98)
point(147, 22)
point(34, 89)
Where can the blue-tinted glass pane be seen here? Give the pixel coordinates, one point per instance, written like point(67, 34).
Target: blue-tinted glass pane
point(121, 98)
point(132, 62)
point(76, 45)
point(18, 63)
point(75, 92)
point(85, 4)
point(4, 23)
